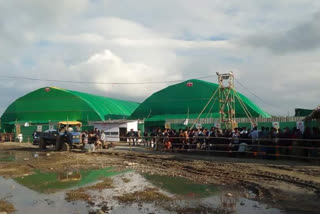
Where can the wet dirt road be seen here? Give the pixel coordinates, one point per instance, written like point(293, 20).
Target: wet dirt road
point(288, 185)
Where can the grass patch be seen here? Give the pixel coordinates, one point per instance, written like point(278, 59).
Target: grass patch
point(106, 183)
point(77, 195)
point(6, 206)
point(147, 195)
point(126, 180)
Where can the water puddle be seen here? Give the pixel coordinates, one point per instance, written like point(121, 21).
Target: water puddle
point(181, 186)
point(29, 201)
point(186, 197)
point(50, 182)
point(45, 192)
point(7, 156)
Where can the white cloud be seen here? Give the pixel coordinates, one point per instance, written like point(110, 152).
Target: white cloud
point(138, 41)
point(106, 67)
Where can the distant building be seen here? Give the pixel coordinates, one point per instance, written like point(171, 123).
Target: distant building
point(116, 130)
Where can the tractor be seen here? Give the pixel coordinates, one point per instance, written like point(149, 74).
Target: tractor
point(66, 136)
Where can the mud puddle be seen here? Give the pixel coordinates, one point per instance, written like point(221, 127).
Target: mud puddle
point(50, 182)
point(45, 192)
point(8, 156)
point(184, 197)
point(182, 187)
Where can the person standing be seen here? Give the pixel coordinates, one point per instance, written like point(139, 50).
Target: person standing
point(145, 138)
point(98, 143)
point(85, 138)
point(131, 137)
point(138, 136)
point(103, 139)
point(157, 139)
point(254, 134)
point(235, 136)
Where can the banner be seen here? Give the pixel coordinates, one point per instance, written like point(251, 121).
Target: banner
point(186, 122)
point(217, 125)
point(276, 125)
point(198, 126)
point(39, 128)
point(167, 126)
point(300, 126)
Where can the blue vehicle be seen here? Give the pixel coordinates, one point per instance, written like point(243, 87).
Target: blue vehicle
point(67, 136)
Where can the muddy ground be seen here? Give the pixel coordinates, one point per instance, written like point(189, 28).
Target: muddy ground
point(289, 185)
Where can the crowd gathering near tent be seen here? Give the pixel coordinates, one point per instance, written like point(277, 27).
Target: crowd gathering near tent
point(193, 99)
point(268, 142)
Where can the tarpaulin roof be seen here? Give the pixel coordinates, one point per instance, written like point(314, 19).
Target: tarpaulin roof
point(56, 104)
point(300, 112)
point(187, 99)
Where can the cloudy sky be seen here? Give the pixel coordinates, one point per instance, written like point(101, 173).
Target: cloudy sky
point(272, 46)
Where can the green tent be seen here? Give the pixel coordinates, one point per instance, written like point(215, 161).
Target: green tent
point(300, 112)
point(56, 104)
point(187, 100)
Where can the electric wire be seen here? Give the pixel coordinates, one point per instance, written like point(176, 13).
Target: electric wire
point(256, 96)
point(101, 83)
point(205, 107)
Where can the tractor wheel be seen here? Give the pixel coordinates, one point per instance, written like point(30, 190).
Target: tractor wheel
point(65, 147)
point(42, 144)
point(58, 144)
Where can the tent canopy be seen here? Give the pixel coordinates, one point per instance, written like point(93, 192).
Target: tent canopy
point(56, 104)
point(300, 112)
point(186, 100)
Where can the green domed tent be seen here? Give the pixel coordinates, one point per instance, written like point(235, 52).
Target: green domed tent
point(56, 104)
point(183, 100)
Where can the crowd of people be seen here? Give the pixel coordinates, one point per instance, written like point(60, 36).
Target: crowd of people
point(265, 141)
point(94, 139)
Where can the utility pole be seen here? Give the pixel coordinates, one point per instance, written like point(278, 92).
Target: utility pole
point(227, 109)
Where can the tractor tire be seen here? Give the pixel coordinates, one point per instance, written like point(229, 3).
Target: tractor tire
point(65, 147)
point(42, 144)
point(58, 144)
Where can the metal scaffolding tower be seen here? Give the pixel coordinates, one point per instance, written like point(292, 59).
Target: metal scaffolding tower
point(227, 109)
point(227, 102)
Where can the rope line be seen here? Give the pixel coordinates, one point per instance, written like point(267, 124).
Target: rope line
point(205, 107)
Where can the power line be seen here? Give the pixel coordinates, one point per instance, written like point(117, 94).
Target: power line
point(249, 90)
point(100, 83)
point(256, 95)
